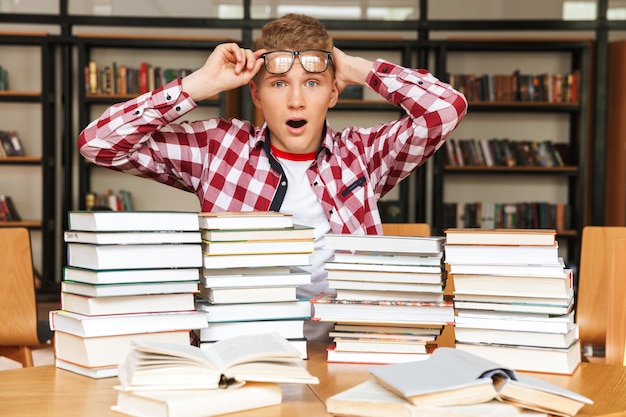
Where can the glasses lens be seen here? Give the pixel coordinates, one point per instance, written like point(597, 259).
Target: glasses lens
point(314, 61)
point(278, 62)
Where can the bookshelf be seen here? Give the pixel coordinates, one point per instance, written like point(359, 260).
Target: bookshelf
point(28, 109)
point(131, 51)
point(564, 123)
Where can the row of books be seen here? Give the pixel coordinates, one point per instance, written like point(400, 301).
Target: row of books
point(385, 298)
point(10, 144)
point(503, 152)
point(523, 215)
point(109, 200)
point(4, 79)
point(541, 88)
point(122, 79)
point(8, 210)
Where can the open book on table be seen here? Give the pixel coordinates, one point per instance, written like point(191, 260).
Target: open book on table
point(454, 377)
point(262, 357)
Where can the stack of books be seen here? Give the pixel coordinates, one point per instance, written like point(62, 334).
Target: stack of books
point(235, 374)
point(386, 298)
point(130, 276)
point(514, 298)
point(252, 266)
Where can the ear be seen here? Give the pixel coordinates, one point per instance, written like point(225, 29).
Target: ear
point(254, 93)
point(334, 95)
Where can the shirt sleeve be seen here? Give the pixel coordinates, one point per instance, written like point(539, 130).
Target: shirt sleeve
point(433, 110)
point(137, 137)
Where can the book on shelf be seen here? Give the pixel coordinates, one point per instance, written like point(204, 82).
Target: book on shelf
point(386, 258)
point(371, 399)
point(328, 308)
point(257, 247)
point(506, 254)
point(476, 236)
point(456, 377)
point(529, 358)
point(255, 260)
point(119, 276)
point(382, 296)
point(297, 232)
point(198, 402)
point(287, 328)
point(245, 220)
point(95, 372)
point(8, 209)
point(127, 289)
point(11, 143)
point(385, 244)
point(259, 357)
point(86, 255)
point(556, 270)
point(521, 285)
point(109, 325)
point(422, 331)
point(381, 358)
point(384, 276)
point(513, 306)
point(126, 304)
point(248, 294)
point(384, 286)
point(112, 221)
point(106, 351)
point(253, 311)
point(471, 335)
point(515, 321)
point(118, 238)
point(383, 345)
point(415, 269)
point(254, 277)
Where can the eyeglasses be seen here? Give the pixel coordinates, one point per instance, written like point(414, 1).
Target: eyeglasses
point(312, 60)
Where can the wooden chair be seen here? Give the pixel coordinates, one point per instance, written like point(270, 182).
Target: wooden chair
point(616, 319)
point(594, 293)
point(406, 229)
point(19, 328)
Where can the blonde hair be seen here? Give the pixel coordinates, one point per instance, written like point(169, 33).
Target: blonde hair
point(295, 32)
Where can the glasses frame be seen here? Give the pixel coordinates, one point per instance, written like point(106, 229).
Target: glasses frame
point(294, 54)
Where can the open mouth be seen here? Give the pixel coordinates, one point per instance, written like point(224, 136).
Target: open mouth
point(296, 123)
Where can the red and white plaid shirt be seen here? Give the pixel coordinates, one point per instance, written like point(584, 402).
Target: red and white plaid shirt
point(228, 165)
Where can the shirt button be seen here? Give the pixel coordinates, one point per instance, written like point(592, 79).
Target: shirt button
point(315, 183)
point(136, 112)
point(330, 211)
point(375, 82)
point(177, 108)
point(168, 97)
point(385, 70)
point(283, 183)
point(420, 82)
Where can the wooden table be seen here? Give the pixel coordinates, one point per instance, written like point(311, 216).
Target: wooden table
point(604, 384)
point(45, 391)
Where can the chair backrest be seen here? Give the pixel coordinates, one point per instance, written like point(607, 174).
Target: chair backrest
point(616, 320)
point(596, 263)
point(18, 305)
point(406, 229)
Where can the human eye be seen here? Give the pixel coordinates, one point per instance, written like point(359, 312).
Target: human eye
point(312, 83)
point(279, 84)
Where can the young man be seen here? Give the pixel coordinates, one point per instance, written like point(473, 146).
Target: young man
point(295, 163)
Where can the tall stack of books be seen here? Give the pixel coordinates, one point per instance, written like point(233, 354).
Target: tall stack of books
point(130, 276)
point(252, 266)
point(514, 298)
point(386, 298)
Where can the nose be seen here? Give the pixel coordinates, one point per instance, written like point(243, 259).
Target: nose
point(296, 98)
